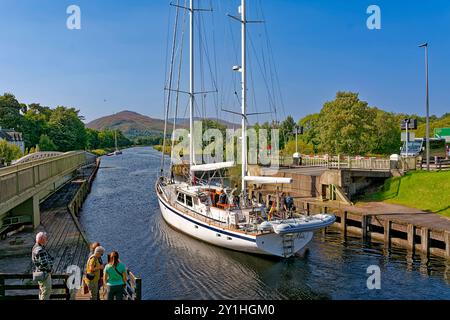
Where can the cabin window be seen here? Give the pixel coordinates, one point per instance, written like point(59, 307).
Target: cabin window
point(181, 197)
point(189, 201)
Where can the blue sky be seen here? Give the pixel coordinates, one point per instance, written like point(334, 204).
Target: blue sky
point(320, 47)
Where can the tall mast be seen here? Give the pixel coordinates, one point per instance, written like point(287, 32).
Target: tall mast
point(191, 88)
point(244, 94)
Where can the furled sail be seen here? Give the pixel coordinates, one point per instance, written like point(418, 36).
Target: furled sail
point(268, 180)
point(212, 166)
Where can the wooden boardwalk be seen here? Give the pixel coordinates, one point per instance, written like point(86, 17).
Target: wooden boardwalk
point(66, 242)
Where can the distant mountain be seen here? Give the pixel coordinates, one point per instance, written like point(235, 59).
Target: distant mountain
point(133, 124)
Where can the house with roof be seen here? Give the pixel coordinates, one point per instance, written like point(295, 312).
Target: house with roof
point(13, 137)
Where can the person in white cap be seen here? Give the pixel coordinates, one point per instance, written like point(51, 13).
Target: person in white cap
point(93, 268)
point(42, 266)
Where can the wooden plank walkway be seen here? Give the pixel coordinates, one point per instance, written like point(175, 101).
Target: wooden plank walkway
point(66, 243)
point(409, 228)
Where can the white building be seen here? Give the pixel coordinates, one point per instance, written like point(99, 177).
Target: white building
point(13, 137)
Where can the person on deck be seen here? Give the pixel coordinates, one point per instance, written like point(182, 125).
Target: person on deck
point(93, 269)
point(223, 197)
point(100, 260)
point(115, 277)
point(42, 266)
point(235, 194)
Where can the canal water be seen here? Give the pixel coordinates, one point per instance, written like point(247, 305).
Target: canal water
point(122, 213)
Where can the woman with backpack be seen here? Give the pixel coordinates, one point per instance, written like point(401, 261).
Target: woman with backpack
point(94, 267)
point(115, 277)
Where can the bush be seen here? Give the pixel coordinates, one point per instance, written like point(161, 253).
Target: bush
point(9, 152)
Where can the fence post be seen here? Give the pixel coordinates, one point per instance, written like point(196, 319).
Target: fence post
point(411, 230)
point(387, 233)
point(138, 289)
point(2, 286)
point(344, 223)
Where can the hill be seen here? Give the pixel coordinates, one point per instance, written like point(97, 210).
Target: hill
point(134, 125)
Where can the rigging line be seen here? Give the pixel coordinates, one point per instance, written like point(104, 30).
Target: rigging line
point(166, 64)
point(216, 96)
point(273, 59)
point(183, 30)
point(259, 65)
point(204, 49)
point(169, 95)
point(269, 75)
point(252, 86)
point(202, 75)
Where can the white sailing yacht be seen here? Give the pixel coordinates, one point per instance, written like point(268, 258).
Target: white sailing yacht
point(193, 209)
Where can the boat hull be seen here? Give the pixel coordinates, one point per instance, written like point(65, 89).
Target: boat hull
point(265, 244)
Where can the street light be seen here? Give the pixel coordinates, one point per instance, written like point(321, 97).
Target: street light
point(425, 45)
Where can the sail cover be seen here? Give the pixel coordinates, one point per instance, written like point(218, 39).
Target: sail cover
point(212, 166)
point(267, 180)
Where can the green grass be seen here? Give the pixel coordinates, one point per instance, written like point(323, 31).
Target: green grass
point(428, 191)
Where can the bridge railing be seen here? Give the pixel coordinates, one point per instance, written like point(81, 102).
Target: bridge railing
point(340, 162)
point(15, 180)
point(37, 156)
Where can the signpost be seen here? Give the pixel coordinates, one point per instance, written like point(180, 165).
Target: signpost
point(297, 130)
point(408, 124)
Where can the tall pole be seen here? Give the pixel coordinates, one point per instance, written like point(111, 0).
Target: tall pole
point(425, 45)
point(244, 95)
point(407, 136)
point(296, 140)
point(191, 88)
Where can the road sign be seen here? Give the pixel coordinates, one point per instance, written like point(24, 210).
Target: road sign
point(442, 133)
point(412, 124)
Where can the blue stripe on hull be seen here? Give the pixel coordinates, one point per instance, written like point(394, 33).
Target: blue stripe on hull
point(206, 226)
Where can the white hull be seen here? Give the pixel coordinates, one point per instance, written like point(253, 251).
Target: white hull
point(268, 244)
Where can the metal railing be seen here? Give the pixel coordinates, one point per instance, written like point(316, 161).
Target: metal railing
point(37, 156)
point(340, 162)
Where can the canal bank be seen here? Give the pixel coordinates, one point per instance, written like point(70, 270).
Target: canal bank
point(122, 213)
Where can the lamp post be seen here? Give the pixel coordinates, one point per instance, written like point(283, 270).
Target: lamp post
point(425, 45)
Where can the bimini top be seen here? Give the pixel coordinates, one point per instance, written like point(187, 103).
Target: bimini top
point(268, 180)
point(212, 166)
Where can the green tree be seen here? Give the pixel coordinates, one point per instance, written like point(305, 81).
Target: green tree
point(36, 120)
point(286, 129)
point(92, 139)
point(10, 116)
point(46, 144)
point(9, 152)
point(386, 139)
point(311, 130)
point(66, 129)
point(346, 125)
